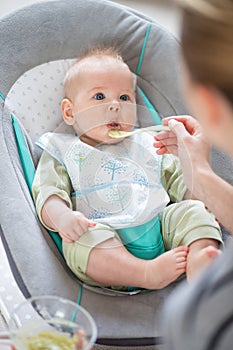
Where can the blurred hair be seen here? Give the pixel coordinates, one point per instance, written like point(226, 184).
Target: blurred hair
point(207, 42)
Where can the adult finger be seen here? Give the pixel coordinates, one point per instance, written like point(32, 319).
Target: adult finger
point(178, 128)
point(172, 149)
point(165, 135)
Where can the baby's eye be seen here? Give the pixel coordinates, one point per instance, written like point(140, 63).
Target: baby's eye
point(99, 96)
point(124, 98)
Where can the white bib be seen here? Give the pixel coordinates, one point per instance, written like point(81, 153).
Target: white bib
point(115, 184)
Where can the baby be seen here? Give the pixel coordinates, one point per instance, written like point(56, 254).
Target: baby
point(107, 198)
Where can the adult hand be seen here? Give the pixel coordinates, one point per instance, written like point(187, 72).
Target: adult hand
point(185, 140)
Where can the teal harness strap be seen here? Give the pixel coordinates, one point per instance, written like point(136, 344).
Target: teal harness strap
point(143, 241)
point(143, 49)
point(2, 97)
point(25, 157)
point(2, 101)
point(80, 294)
point(152, 110)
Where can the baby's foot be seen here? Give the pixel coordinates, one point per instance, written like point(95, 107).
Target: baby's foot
point(198, 260)
point(165, 269)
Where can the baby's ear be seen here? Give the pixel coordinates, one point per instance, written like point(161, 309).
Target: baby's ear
point(67, 111)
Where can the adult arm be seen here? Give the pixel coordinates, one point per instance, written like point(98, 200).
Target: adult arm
point(186, 140)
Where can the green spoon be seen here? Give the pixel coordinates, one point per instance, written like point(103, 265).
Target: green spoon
point(115, 134)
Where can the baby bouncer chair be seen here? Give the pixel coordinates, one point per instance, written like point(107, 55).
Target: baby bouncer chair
point(38, 43)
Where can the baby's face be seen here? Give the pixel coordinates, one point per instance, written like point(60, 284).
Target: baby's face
point(104, 100)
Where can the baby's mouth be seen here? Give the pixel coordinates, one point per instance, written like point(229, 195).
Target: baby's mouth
point(113, 126)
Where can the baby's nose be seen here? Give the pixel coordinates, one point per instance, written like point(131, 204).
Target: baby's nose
point(114, 106)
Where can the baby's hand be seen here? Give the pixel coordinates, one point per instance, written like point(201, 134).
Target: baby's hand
point(72, 225)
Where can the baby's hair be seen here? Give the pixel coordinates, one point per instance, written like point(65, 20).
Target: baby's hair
point(110, 51)
point(97, 51)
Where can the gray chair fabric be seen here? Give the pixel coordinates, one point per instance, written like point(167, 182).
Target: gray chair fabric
point(61, 29)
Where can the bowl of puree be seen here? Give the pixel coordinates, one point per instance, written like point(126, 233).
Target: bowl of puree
point(51, 323)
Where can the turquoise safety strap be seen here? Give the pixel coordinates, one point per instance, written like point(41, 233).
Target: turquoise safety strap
point(143, 49)
point(2, 97)
point(2, 101)
point(143, 241)
point(24, 154)
point(57, 240)
point(75, 312)
point(80, 295)
point(152, 110)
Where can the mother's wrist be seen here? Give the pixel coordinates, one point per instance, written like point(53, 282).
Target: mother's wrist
point(202, 176)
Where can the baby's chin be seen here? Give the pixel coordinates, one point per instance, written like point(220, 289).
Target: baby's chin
point(93, 141)
point(112, 141)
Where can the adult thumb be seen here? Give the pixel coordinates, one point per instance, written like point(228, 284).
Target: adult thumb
point(178, 128)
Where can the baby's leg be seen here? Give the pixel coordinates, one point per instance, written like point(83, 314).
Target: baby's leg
point(189, 223)
point(108, 263)
point(116, 266)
